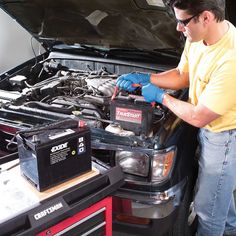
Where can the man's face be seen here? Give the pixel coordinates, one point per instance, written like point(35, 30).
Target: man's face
point(190, 25)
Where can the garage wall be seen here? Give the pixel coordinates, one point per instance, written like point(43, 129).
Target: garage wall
point(15, 43)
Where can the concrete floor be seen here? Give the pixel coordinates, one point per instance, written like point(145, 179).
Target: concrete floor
point(121, 234)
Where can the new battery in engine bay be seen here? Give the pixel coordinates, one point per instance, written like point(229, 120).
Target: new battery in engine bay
point(133, 113)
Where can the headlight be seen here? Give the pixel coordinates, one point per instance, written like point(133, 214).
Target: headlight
point(162, 164)
point(135, 163)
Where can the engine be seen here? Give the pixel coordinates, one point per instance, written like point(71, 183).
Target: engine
point(84, 94)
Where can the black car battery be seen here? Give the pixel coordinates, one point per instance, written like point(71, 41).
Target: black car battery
point(52, 156)
point(132, 113)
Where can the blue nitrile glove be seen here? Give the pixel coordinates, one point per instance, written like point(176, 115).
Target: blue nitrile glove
point(125, 81)
point(153, 93)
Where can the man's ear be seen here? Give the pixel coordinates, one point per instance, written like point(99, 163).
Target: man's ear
point(207, 17)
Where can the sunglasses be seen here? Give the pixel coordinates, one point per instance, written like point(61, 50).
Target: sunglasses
point(186, 21)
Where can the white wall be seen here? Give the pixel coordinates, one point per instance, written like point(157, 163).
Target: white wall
point(15, 43)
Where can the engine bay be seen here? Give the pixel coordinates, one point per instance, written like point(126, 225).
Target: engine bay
point(58, 90)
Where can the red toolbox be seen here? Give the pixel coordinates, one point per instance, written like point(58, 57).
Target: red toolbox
point(81, 206)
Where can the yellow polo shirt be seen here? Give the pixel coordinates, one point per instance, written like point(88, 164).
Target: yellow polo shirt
point(212, 78)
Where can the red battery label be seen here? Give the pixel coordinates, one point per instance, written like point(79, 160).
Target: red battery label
point(129, 115)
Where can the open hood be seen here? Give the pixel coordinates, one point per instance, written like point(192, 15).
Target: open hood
point(143, 24)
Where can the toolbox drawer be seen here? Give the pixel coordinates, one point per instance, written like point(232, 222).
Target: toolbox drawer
point(95, 220)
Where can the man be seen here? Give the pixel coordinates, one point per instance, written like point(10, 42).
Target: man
point(207, 68)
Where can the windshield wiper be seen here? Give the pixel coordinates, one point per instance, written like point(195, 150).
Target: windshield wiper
point(122, 53)
point(155, 52)
point(139, 54)
point(81, 49)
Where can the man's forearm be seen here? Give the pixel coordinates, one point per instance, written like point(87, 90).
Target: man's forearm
point(171, 79)
point(183, 110)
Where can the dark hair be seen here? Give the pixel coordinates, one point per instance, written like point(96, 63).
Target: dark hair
point(194, 7)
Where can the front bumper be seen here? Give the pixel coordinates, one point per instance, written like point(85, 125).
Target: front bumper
point(152, 213)
point(152, 205)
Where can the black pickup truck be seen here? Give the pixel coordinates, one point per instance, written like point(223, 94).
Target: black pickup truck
point(88, 44)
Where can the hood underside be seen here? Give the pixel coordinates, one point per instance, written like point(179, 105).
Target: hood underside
point(109, 23)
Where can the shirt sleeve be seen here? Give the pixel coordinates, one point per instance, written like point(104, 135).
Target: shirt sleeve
point(220, 93)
